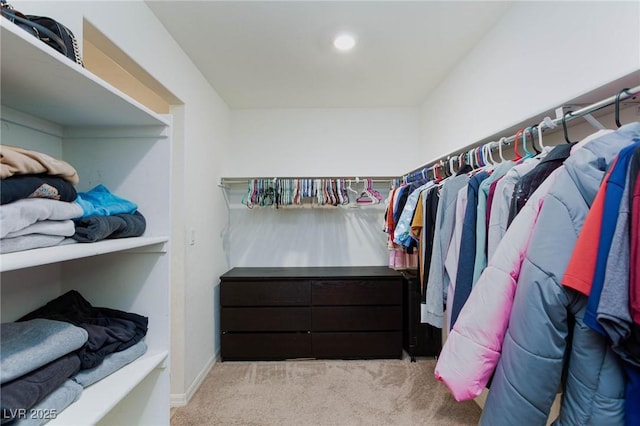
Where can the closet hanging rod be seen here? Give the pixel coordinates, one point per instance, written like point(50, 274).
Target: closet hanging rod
point(545, 125)
point(245, 180)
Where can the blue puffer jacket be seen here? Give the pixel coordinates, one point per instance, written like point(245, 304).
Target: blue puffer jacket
point(547, 339)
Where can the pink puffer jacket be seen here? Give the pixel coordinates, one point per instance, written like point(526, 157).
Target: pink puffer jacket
point(472, 350)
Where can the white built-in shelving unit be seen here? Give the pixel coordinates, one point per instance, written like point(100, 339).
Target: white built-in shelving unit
point(52, 105)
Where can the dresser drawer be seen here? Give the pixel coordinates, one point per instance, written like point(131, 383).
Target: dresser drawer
point(356, 318)
point(357, 345)
point(265, 319)
point(356, 292)
point(265, 293)
point(265, 346)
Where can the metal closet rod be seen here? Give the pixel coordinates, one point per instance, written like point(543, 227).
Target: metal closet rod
point(245, 180)
point(612, 100)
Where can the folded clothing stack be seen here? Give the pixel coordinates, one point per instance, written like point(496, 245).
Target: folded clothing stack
point(106, 215)
point(49, 355)
point(37, 361)
point(40, 207)
point(37, 194)
point(109, 330)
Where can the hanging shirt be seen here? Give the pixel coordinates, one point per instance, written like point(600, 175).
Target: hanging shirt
point(582, 265)
point(466, 260)
point(532, 180)
point(480, 261)
point(431, 202)
point(634, 261)
point(490, 195)
point(438, 279)
point(632, 344)
point(417, 224)
point(501, 200)
point(403, 227)
point(613, 312)
point(400, 201)
point(390, 224)
point(615, 188)
point(451, 261)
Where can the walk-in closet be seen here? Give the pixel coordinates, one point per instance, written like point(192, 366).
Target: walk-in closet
point(319, 212)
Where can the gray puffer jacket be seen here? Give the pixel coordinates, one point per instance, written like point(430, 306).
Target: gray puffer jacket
point(547, 339)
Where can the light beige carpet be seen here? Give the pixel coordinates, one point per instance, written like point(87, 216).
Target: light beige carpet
point(314, 392)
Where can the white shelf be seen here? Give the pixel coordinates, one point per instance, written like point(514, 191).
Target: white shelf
point(38, 80)
point(53, 105)
point(47, 255)
point(98, 399)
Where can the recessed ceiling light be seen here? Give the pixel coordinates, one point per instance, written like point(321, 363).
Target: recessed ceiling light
point(344, 42)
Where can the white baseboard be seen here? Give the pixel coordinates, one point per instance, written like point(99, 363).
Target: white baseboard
point(182, 399)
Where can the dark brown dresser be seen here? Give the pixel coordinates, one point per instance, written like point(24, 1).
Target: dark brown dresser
point(315, 312)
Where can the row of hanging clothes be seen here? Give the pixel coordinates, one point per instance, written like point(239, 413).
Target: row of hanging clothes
point(412, 206)
point(290, 192)
point(531, 265)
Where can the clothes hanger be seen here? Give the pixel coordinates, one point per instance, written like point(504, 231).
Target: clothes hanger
point(338, 188)
point(461, 162)
point(527, 154)
point(246, 199)
point(500, 143)
point(355, 193)
point(365, 196)
point(445, 170)
point(319, 195)
point(540, 134)
point(617, 105)
point(335, 188)
point(491, 147)
point(451, 160)
point(345, 195)
point(518, 156)
point(477, 157)
point(533, 139)
point(350, 188)
point(329, 192)
point(485, 156)
point(488, 154)
point(470, 158)
point(373, 191)
point(294, 191)
point(338, 192)
point(564, 127)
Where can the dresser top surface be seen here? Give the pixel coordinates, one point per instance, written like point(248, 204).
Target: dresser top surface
point(319, 272)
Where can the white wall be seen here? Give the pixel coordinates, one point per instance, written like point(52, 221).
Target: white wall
point(200, 144)
point(539, 56)
point(341, 142)
point(322, 142)
point(320, 236)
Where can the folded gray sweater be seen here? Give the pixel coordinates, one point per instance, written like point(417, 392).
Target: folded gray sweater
point(31, 344)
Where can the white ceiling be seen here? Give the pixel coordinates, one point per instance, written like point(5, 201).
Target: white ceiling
point(279, 54)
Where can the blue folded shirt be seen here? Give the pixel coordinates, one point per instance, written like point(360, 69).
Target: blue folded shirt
point(100, 202)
